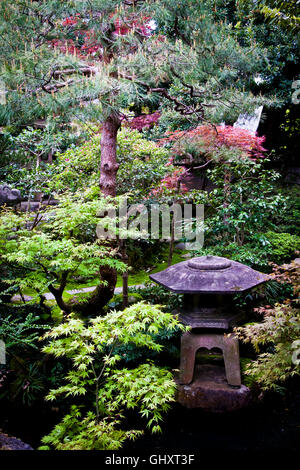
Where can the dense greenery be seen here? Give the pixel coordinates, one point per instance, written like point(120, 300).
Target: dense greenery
point(95, 376)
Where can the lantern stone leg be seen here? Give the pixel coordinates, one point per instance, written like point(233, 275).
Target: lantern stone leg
point(191, 342)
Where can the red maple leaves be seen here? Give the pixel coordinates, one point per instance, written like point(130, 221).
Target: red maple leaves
point(144, 121)
point(213, 137)
point(87, 44)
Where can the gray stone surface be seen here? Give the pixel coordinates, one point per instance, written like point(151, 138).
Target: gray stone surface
point(12, 443)
point(209, 275)
point(211, 392)
point(180, 246)
point(9, 196)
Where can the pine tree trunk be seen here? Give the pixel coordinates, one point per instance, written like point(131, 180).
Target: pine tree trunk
point(172, 238)
point(109, 166)
point(125, 274)
point(227, 179)
point(108, 177)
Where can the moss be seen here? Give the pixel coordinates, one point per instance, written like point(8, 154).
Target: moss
point(142, 276)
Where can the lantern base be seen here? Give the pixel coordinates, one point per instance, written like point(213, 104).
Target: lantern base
point(211, 392)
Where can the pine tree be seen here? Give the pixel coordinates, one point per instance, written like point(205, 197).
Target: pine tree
point(89, 60)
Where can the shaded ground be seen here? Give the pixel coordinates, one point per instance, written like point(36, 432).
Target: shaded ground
point(272, 425)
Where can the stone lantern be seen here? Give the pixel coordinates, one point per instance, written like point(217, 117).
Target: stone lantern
point(209, 284)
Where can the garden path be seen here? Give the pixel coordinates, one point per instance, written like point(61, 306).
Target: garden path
point(49, 296)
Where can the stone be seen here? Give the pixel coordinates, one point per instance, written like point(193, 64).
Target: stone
point(211, 392)
point(12, 443)
point(180, 246)
point(209, 275)
point(227, 343)
point(186, 255)
point(205, 318)
point(30, 206)
point(9, 196)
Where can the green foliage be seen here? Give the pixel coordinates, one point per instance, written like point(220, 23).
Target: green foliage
point(280, 246)
point(78, 167)
point(29, 385)
point(192, 48)
point(84, 432)
point(22, 159)
point(19, 334)
point(26, 381)
point(48, 248)
point(279, 331)
point(117, 300)
point(31, 145)
point(142, 164)
point(281, 47)
point(276, 338)
point(94, 374)
point(156, 294)
point(237, 209)
point(283, 12)
point(289, 223)
point(28, 181)
point(147, 387)
point(249, 254)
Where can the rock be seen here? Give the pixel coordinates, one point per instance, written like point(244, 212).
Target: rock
point(180, 246)
point(186, 256)
point(9, 196)
point(52, 202)
point(33, 206)
point(211, 392)
point(12, 443)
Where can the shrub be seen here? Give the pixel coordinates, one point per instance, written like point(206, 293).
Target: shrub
point(280, 246)
point(279, 330)
point(25, 380)
point(276, 338)
point(95, 376)
point(142, 164)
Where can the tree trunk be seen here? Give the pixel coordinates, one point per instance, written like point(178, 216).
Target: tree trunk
point(227, 178)
point(108, 175)
point(100, 297)
point(125, 274)
point(171, 246)
point(109, 166)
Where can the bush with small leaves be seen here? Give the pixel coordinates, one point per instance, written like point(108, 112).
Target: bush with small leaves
point(93, 351)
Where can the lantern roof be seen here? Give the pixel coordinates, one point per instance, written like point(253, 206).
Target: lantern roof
point(209, 275)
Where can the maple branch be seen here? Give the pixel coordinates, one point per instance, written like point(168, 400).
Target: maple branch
point(202, 166)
